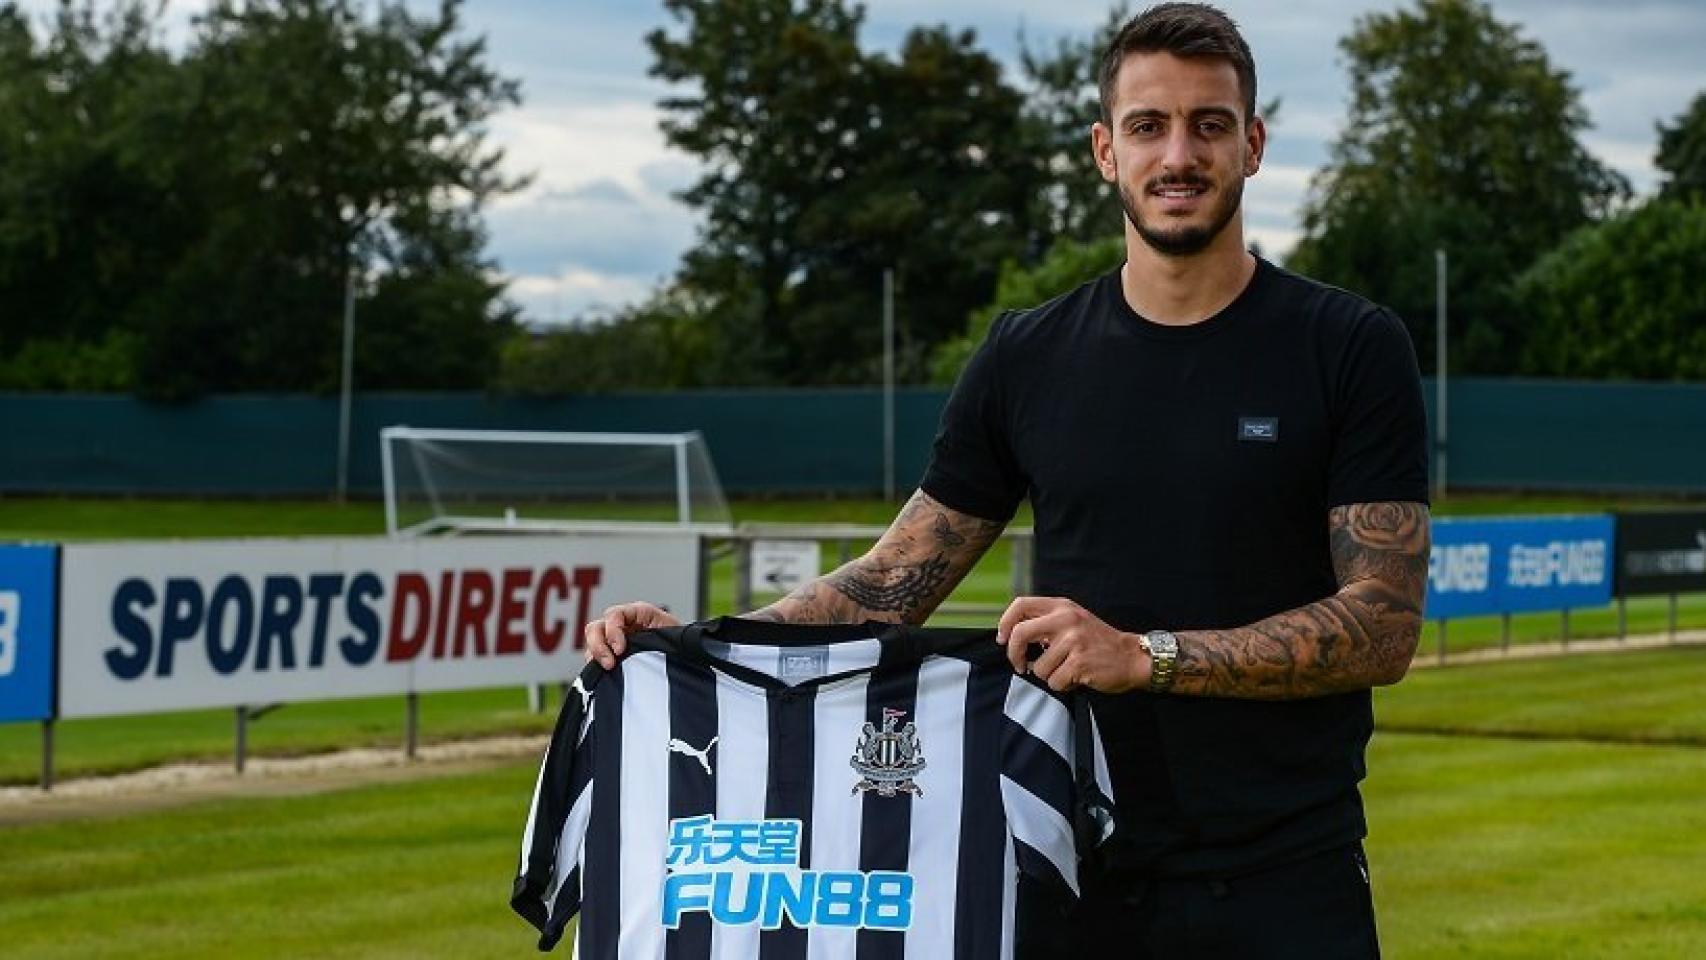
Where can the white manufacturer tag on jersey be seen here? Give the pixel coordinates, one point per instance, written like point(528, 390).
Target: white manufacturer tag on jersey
point(800, 664)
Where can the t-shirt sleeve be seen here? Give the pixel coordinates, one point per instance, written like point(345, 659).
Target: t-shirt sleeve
point(547, 890)
point(1380, 442)
point(972, 467)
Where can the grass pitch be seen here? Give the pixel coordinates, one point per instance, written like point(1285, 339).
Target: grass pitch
point(418, 869)
point(1494, 848)
point(1483, 845)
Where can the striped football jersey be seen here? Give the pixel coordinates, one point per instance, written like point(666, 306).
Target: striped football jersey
point(753, 790)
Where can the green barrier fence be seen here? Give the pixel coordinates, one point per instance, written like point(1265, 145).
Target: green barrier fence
point(1534, 435)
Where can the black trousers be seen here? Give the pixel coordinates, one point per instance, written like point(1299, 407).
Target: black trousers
point(1317, 908)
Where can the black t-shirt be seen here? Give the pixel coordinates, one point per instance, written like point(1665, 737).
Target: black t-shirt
point(1181, 478)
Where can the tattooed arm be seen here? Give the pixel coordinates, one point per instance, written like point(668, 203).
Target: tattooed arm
point(1360, 637)
point(924, 554)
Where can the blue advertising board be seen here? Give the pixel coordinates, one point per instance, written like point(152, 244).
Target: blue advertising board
point(1492, 566)
point(27, 631)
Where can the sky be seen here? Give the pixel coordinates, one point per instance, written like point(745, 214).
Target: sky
point(599, 226)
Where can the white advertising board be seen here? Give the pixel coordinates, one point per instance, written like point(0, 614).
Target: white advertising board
point(783, 566)
point(193, 624)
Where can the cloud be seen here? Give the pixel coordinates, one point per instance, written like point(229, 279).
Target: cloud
point(570, 144)
point(574, 294)
point(599, 226)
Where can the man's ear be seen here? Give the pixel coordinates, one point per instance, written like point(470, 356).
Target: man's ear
point(1102, 148)
point(1255, 143)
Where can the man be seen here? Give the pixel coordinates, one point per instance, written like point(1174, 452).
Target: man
point(1227, 466)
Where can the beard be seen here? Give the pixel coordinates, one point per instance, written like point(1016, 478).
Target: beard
point(1182, 241)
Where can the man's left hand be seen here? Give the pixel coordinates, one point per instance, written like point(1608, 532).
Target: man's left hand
point(1079, 650)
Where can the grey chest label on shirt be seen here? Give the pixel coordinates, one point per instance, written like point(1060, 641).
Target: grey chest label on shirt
point(1258, 429)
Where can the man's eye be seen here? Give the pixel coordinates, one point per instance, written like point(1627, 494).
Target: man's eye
point(1145, 128)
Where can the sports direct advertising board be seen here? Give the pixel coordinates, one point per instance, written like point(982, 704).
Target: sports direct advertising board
point(1481, 567)
point(157, 627)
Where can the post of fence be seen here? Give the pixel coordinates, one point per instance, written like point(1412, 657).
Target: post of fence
point(1442, 624)
point(242, 737)
point(1672, 630)
point(1019, 560)
point(703, 587)
point(1505, 632)
point(47, 754)
point(1622, 619)
point(412, 723)
point(743, 574)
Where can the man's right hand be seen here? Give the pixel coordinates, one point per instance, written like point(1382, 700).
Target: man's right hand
point(607, 637)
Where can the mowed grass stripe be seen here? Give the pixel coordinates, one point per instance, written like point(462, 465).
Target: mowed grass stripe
point(1480, 849)
point(1635, 696)
point(1493, 849)
point(418, 869)
point(107, 745)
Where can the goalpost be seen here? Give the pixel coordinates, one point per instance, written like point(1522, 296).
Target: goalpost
point(514, 481)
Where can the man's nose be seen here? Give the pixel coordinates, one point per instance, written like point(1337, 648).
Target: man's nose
point(1180, 151)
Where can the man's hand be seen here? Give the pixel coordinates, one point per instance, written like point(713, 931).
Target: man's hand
point(1079, 650)
point(607, 638)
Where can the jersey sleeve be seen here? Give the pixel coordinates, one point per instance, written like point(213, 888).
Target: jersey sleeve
point(972, 467)
point(547, 890)
point(1054, 784)
point(1380, 443)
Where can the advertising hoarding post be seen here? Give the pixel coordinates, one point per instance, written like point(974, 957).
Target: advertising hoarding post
point(47, 754)
point(702, 587)
point(743, 575)
point(1505, 632)
point(412, 724)
point(242, 737)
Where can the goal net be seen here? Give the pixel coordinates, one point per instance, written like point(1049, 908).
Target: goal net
point(471, 481)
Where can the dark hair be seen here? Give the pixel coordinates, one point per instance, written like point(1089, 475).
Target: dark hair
point(1184, 30)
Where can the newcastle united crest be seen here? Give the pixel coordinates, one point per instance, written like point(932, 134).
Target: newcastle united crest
point(888, 759)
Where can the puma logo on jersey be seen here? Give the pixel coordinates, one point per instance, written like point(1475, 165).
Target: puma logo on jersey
point(703, 756)
point(586, 695)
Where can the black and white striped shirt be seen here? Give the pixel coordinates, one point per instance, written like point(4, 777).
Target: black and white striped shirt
point(752, 790)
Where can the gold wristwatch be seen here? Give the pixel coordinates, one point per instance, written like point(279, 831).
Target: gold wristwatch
point(1163, 650)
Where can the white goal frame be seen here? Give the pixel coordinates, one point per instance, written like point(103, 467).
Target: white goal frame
point(680, 442)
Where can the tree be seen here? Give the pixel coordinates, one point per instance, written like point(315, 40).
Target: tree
point(1068, 264)
point(1682, 153)
point(827, 165)
point(372, 141)
point(1461, 136)
point(200, 213)
point(75, 182)
point(779, 102)
point(663, 342)
point(940, 191)
point(1621, 299)
point(1064, 100)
